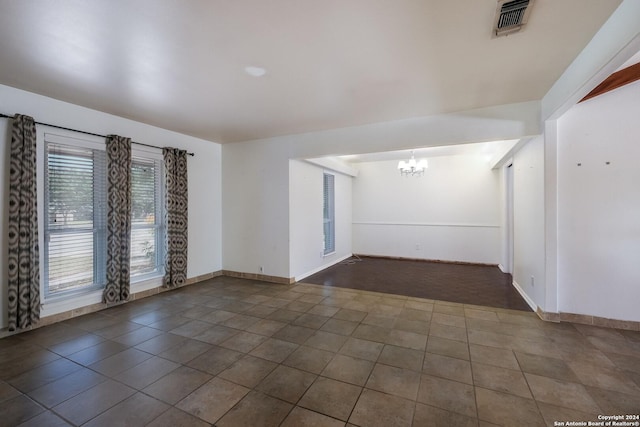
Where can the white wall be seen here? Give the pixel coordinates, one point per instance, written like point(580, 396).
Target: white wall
point(451, 213)
point(599, 206)
point(255, 208)
point(255, 173)
point(306, 218)
point(205, 217)
point(528, 220)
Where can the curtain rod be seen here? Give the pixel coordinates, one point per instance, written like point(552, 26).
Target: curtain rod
point(86, 133)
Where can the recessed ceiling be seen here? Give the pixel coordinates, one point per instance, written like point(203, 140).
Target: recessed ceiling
point(333, 63)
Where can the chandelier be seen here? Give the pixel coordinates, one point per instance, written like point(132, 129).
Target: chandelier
point(412, 167)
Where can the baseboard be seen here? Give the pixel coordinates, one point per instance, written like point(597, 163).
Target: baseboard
point(322, 267)
point(92, 308)
point(526, 297)
point(261, 277)
point(441, 261)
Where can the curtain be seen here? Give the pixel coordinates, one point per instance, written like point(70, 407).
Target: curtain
point(118, 219)
point(175, 162)
point(23, 263)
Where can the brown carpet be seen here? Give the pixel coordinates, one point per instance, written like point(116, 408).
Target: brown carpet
point(461, 283)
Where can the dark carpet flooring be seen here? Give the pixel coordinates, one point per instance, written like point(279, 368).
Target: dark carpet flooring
point(461, 283)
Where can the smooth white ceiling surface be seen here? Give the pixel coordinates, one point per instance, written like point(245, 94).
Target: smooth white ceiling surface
point(332, 63)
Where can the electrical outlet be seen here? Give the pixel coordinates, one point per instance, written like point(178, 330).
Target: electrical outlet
point(533, 282)
point(261, 269)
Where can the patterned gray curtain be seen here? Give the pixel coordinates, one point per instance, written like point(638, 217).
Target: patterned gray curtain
point(23, 262)
point(175, 162)
point(118, 218)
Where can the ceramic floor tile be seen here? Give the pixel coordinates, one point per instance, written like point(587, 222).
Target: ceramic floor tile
point(48, 419)
point(309, 320)
point(614, 402)
point(371, 333)
point(18, 409)
point(286, 383)
point(248, 371)
point(507, 409)
point(448, 395)
point(309, 359)
point(447, 367)
point(447, 347)
point(362, 349)
point(240, 321)
point(329, 397)
point(401, 357)
point(76, 344)
point(120, 362)
point(274, 350)
point(426, 415)
point(378, 409)
point(348, 369)
point(215, 360)
point(64, 388)
point(561, 393)
point(554, 415)
point(161, 343)
point(177, 384)
point(90, 403)
point(295, 334)
point(226, 394)
point(177, 418)
point(301, 417)
point(138, 336)
point(91, 355)
point(448, 332)
point(256, 409)
point(326, 341)
point(416, 326)
point(341, 327)
point(136, 410)
point(610, 379)
point(243, 342)
point(351, 315)
point(396, 381)
point(43, 374)
point(146, 372)
point(7, 391)
point(186, 351)
point(500, 379)
point(493, 356)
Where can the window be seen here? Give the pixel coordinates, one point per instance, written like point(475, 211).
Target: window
point(329, 214)
point(76, 213)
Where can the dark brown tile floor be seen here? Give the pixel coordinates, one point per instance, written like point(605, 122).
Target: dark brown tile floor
point(462, 283)
point(234, 352)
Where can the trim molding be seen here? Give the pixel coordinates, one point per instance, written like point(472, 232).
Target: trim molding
point(526, 297)
point(261, 277)
point(440, 261)
point(585, 319)
point(322, 267)
point(92, 308)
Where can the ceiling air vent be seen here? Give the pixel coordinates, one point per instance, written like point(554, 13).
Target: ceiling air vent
point(511, 15)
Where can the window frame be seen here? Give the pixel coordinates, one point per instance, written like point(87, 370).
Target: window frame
point(328, 213)
point(81, 141)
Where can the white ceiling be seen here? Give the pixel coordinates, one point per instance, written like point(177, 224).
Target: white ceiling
point(332, 63)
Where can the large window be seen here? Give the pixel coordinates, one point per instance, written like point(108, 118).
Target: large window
point(329, 214)
point(76, 211)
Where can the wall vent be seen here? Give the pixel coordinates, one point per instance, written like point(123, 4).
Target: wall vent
point(511, 16)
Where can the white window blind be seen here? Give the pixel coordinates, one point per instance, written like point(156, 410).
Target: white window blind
point(76, 211)
point(75, 224)
point(329, 214)
point(146, 216)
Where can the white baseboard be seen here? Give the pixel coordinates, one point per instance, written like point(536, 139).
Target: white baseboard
point(322, 267)
point(526, 297)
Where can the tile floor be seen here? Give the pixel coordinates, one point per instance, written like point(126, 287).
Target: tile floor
point(232, 352)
